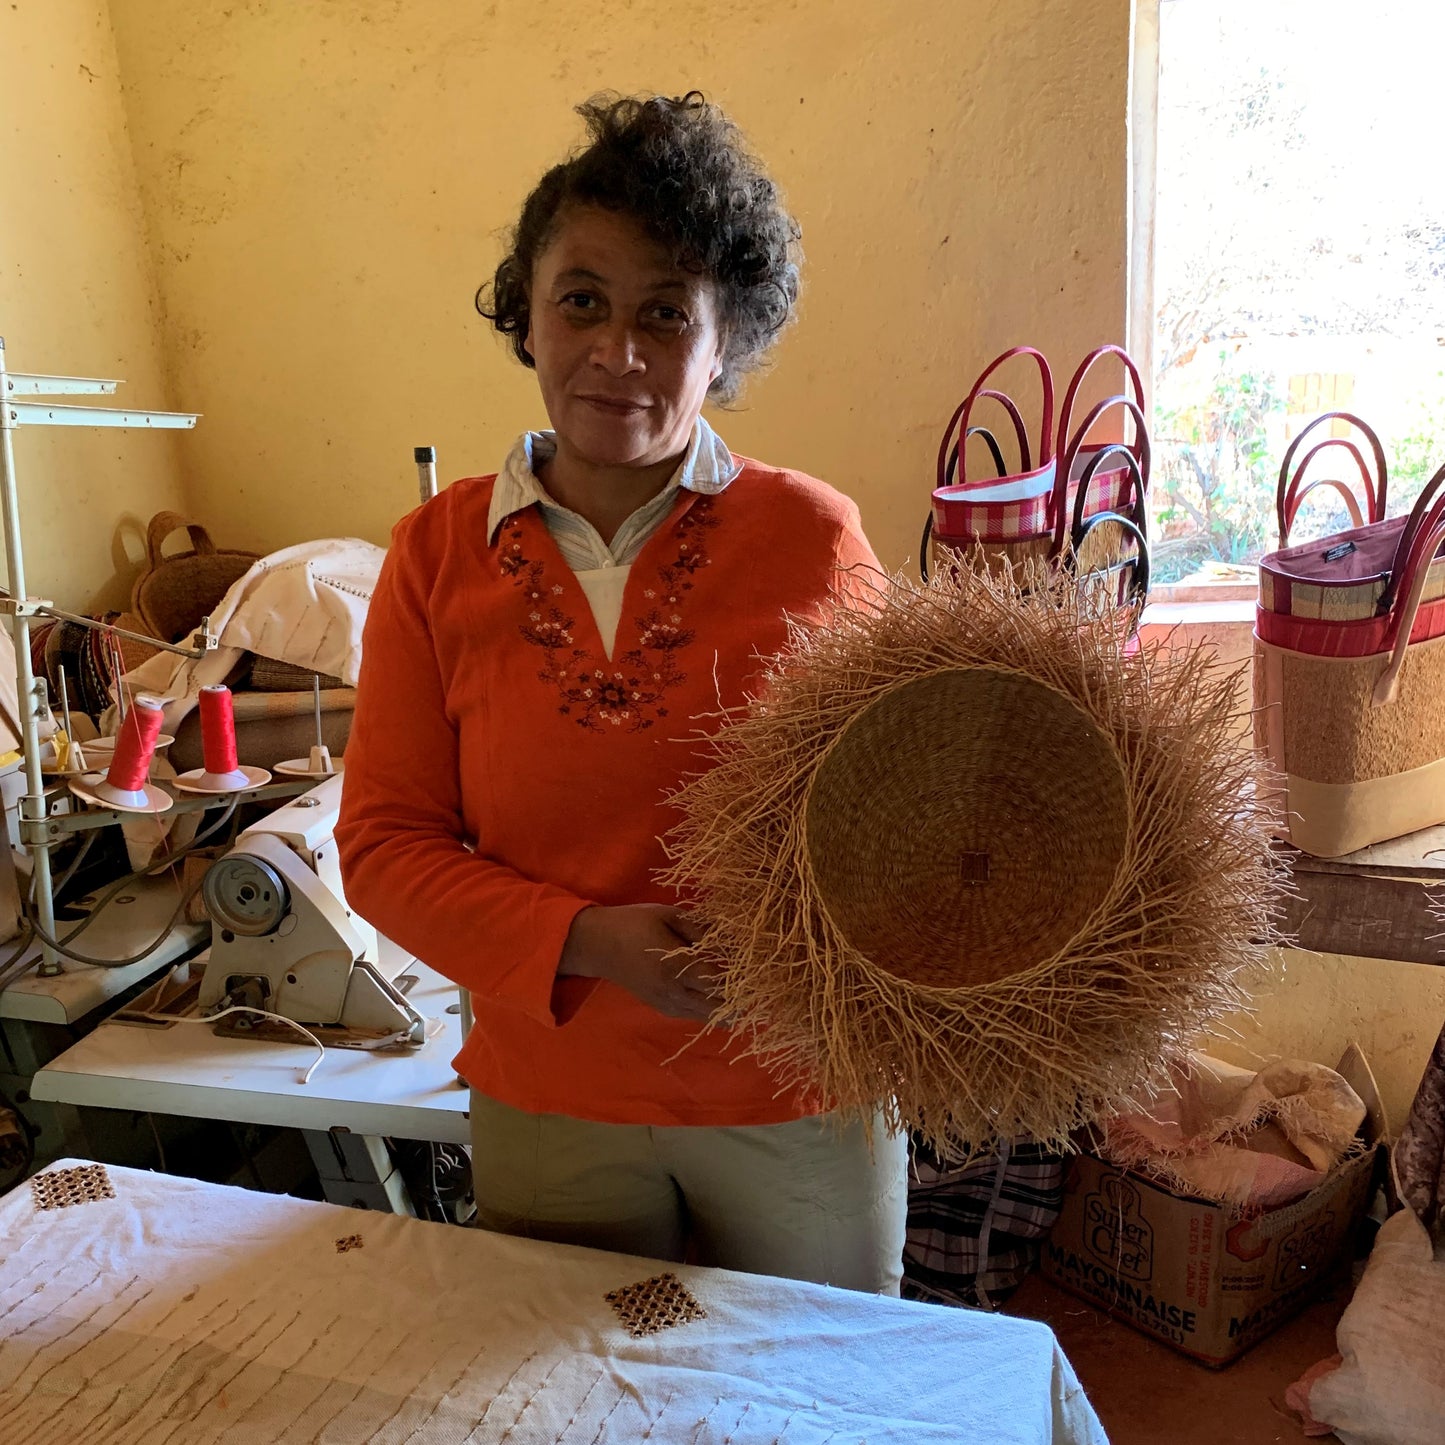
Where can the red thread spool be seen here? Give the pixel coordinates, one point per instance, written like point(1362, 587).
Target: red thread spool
point(135, 746)
point(218, 730)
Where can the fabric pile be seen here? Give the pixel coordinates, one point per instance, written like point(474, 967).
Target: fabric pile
point(1252, 1140)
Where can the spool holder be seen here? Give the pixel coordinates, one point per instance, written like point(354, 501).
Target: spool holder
point(319, 763)
point(48, 829)
point(94, 788)
point(102, 749)
point(220, 785)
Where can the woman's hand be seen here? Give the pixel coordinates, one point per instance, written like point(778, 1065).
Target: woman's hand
point(628, 946)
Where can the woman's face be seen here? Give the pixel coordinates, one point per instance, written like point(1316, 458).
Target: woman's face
point(625, 343)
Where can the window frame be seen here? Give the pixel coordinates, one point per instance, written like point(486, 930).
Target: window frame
point(1142, 196)
point(1142, 189)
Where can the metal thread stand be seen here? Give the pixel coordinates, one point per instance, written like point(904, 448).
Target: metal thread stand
point(38, 830)
point(426, 471)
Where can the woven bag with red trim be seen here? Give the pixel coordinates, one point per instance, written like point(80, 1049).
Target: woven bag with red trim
point(1350, 710)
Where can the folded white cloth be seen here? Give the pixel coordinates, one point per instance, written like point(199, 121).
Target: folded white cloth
point(305, 605)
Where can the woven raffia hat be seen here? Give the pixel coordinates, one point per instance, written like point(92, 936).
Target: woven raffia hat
point(972, 860)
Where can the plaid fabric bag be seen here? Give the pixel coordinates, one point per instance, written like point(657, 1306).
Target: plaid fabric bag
point(974, 1224)
point(1350, 712)
point(1100, 505)
point(1110, 551)
point(1025, 512)
point(1009, 511)
point(1340, 596)
point(1292, 489)
point(1090, 488)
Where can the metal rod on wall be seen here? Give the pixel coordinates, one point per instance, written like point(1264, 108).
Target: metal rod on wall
point(32, 805)
point(426, 471)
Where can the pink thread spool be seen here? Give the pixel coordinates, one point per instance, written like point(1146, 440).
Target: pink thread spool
point(130, 763)
point(222, 773)
point(124, 786)
point(218, 739)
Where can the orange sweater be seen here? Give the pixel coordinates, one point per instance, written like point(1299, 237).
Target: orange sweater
point(503, 773)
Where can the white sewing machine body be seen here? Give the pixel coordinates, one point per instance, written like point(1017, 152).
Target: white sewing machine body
point(283, 937)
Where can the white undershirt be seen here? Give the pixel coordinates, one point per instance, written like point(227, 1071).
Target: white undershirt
point(603, 588)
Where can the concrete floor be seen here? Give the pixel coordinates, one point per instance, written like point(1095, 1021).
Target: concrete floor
point(1146, 1394)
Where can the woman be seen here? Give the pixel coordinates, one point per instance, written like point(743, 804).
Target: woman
point(544, 651)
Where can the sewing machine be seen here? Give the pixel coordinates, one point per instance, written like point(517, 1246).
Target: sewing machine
point(283, 938)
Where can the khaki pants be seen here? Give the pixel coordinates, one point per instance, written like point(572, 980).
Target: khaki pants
point(804, 1200)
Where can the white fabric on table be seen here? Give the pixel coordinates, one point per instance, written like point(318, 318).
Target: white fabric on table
point(184, 1312)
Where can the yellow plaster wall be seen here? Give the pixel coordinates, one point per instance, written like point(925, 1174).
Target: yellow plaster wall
point(328, 183)
point(1320, 1002)
point(78, 295)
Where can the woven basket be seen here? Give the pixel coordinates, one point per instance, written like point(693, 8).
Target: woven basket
point(1358, 741)
point(269, 675)
point(133, 653)
point(940, 873)
point(1068, 503)
point(1294, 485)
point(1337, 597)
point(1330, 730)
point(175, 592)
point(1088, 489)
point(1009, 512)
point(1344, 577)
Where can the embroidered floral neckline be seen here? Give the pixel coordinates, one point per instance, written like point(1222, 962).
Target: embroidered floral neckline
point(628, 692)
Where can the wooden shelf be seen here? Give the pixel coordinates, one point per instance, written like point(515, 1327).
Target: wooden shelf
point(1386, 901)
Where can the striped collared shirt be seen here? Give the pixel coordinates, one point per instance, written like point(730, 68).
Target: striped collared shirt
point(706, 467)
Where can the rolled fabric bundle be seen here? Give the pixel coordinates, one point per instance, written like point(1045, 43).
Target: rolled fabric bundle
point(973, 860)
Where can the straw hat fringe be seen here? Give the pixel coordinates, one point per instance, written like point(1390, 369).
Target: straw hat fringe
point(970, 859)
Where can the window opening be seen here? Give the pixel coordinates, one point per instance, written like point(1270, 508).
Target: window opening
point(1298, 258)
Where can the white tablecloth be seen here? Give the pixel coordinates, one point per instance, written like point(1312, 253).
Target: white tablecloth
point(179, 1312)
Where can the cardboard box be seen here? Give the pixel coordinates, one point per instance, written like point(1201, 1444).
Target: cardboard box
point(1187, 1272)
